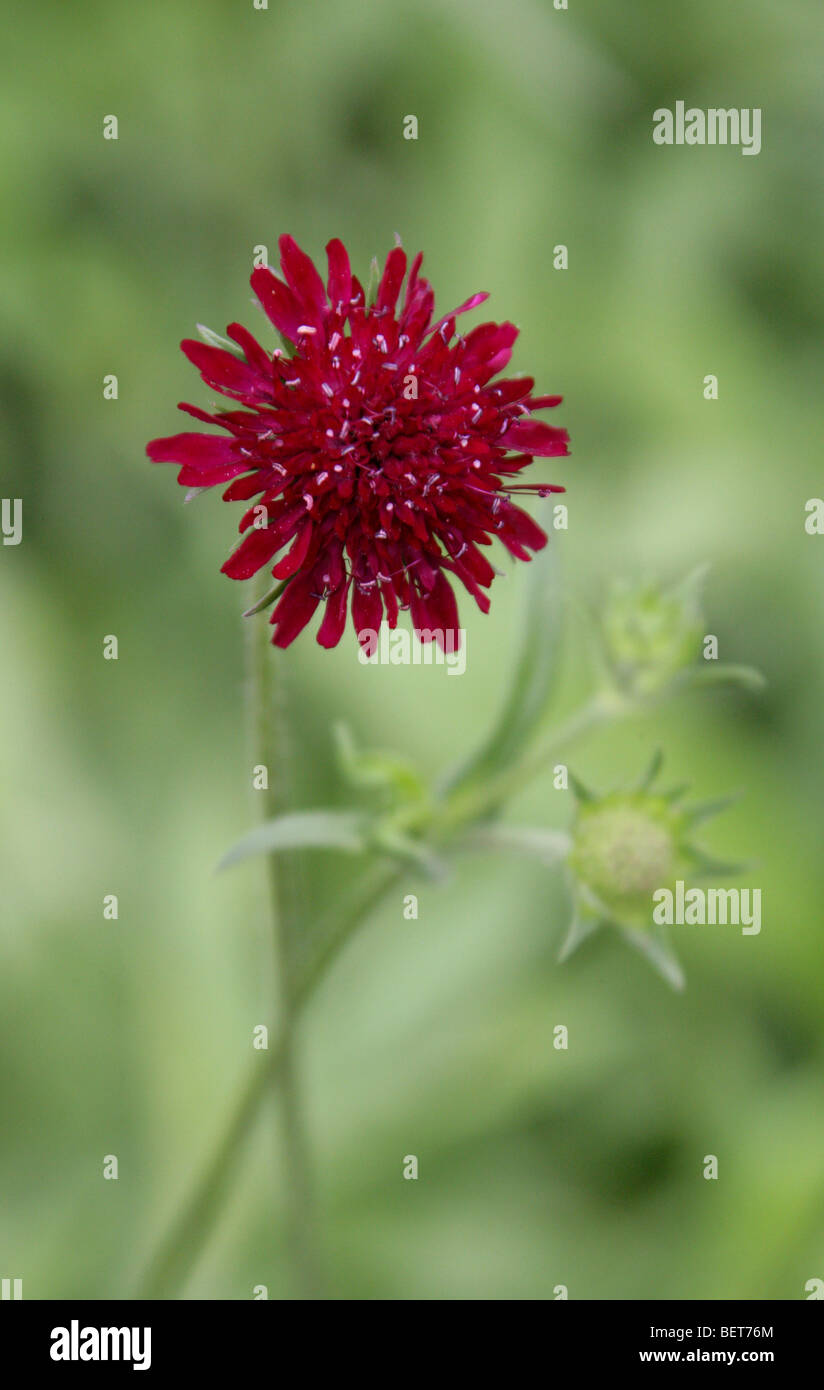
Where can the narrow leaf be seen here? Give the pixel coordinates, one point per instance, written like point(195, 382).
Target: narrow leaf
point(339, 830)
point(217, 340)
point(373, 283)
point(268, 598)
point(533, 673)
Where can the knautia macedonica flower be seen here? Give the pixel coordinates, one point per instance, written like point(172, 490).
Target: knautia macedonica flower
point(377, 443)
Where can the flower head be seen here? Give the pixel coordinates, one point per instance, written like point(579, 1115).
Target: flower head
point(376, 443)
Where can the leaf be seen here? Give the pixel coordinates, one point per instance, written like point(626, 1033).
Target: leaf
point(547, 846)
point(268, 598)
point(217, 340)
point(715, 673)
point(373, 284)
point(339, 830)
point(533, 673)
point(660, 955)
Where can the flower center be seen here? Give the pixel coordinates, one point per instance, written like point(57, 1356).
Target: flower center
point(622, 853)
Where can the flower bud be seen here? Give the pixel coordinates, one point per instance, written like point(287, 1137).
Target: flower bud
point(650, 635)
point(624, 848)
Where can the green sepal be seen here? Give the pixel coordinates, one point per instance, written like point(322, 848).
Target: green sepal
point(705, 810)
point(582, 926)
point(657, 950)
point(705, 866)
point(373, 283)
point(268, 598)
point(217, 340)
point(648, 777)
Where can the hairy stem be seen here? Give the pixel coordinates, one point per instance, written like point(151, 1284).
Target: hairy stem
point(181, 1249)
point(269, 727)
point(184, 1244)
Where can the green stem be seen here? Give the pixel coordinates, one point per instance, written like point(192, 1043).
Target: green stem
point(271, 749)
point(601, 708)
point(475, 802)
point(181, 1249)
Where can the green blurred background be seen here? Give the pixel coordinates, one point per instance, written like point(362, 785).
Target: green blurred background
point(537, 1167)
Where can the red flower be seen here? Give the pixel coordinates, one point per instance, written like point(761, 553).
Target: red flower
point(377, 452)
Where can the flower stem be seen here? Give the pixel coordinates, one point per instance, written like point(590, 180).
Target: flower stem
point(271, 749)
point(182, 1247)
point(475, 802)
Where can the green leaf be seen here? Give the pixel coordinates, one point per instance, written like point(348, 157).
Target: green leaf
point(533, 673)
point(268, 598)
point(373, 283)
point(217, 340)
point(339, 830)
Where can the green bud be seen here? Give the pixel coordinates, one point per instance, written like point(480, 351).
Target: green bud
point(624, 847)
point(651, 635)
